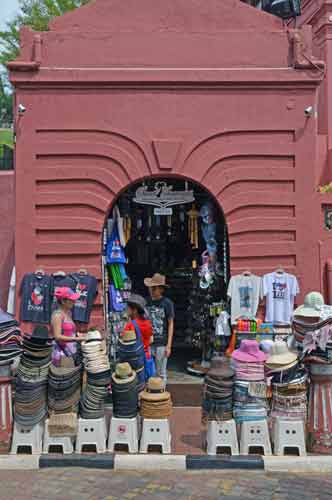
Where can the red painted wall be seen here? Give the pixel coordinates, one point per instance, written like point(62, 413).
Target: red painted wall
point(7, 229)
point(204, 90)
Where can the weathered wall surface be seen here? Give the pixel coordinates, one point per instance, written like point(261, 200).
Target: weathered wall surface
point(7, 230)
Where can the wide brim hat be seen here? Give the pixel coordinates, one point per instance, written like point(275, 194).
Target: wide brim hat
point(280, 355)
point(220, 368)
point(137, 301)
point(156, 280)
point(155, 390)
point(249, 352)
point(278, 367)
point(310, 307)
point(123, 373)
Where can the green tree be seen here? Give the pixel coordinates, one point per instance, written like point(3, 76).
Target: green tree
point(6, 109)
point(33, 13)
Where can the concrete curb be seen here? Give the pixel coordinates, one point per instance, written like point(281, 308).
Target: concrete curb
point(321, 464)
point(151, 462)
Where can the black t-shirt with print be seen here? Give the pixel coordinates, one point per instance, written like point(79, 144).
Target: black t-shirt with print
point(36, 298)
point(160, 312)
point(87, 288)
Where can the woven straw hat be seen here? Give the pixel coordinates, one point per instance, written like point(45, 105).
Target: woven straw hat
point(156, 280)
point(123, 373)
point(310, 308)
point(280, 355)
point(155, 390)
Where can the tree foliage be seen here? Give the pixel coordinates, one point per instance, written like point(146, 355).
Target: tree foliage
point(36, 14)
point(6, 109)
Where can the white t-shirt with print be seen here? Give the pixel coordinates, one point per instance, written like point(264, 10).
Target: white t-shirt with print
point(280, 290)
point(244, 292)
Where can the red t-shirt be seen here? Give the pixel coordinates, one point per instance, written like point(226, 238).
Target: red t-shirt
point(145, 327)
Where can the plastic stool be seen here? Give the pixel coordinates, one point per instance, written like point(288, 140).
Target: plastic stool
point(156, 432)
point(289, 434)
point(222, 434)
point(255, 434)
point(91, 432)
point(66, 443)
point(28, 436)
point(123, 431)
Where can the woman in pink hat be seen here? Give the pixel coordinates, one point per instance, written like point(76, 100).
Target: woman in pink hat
point(63, 326)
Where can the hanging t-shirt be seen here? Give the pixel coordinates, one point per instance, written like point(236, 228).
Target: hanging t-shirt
point(36, 298)
point(244, 291)
point(160, 312)
point(59, 281)
point(280, 290)
point(87, 288)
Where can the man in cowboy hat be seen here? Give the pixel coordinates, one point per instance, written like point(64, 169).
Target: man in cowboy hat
point(161, 311)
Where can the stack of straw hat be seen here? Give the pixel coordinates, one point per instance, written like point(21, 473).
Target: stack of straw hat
point(124, 391)
point(217, 401)
point(155, 401)
point(131, 350)
point(31, 382)
point(250, 392)
point(97, 365)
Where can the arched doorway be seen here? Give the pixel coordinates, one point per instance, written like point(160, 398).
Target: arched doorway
point(171, 226)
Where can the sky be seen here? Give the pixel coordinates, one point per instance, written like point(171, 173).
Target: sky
point(7, 9)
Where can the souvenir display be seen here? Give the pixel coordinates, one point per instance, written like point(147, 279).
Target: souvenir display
point(124, 391)
point(36, 293)
point(244, 291)
point(97, 366)
point(131, 350)
point(86, 286)
point(32, 375)
point(64, 389)
point(155, 401)
point(217, 402)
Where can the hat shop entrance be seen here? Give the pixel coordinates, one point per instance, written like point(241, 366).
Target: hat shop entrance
point(176, 228)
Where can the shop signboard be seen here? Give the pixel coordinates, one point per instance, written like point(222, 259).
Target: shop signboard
point(163, 196)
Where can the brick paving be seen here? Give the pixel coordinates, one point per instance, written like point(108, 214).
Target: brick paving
point(88, 484)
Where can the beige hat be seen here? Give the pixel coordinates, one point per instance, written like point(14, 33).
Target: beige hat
point(155, 390)
point(310, 308)
point(93, 335)
point(128, 336)
point(123, 373)
point(280, 355)
point(156, 280)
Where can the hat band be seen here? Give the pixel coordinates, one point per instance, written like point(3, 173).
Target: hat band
point(155, 391)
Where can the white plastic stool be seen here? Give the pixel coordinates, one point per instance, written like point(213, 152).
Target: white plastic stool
point(156, 432)
point(255, 434)
point(222, 434)
point(91, 432)
point(28, 436)
point(66, 443)
point(289, 434)
point(123, 431)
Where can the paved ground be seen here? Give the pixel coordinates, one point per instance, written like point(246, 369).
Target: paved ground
point(85, 484)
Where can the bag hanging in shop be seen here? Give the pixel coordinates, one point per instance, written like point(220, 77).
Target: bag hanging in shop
point(114, 251)
point(149, 364)
point(116, 299)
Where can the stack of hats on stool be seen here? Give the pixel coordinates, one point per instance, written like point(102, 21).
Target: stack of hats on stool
point(250, 391)
point(10, 339)
point(289, 383)
point(155, 401)
point(124, 391)
point(31, 382)
point(217, 401)
point(131, 350)
point(97, 365)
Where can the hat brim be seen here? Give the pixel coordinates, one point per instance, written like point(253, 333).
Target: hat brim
point(155, 396)
point(278, 368)
point(281, 359)
point(119, 380)
point(308, 312)
point(150, 283)
point(245, 357)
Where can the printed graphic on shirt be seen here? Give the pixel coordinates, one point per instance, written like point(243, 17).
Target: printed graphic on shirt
point(279, 290)
point(157, 317)
point(245, 296)
point(82, 302)
point(36, 300)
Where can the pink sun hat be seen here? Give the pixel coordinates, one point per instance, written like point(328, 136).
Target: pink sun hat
point(249, 352)
point(65, 292)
